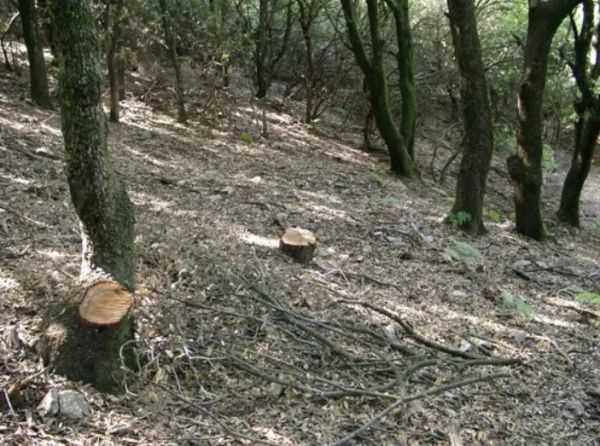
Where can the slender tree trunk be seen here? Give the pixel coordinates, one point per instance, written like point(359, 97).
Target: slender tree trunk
point(40, 94)
point(307, 14)
point(170, 39)
point(525, 167)
point(405, 61)
point(477, 154)
point(568, 211)
point(376, 80)
point(262, 49)
point(74, 349)
point(121, 72)
point(113, 28)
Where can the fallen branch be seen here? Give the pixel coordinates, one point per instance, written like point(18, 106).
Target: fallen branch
point(428, 343)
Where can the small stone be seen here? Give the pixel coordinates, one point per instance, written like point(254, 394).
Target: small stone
point(459, 294)
point(518, 336)
point(576, 407)
point(64, 403)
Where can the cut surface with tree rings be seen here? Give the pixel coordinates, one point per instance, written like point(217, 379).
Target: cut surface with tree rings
point(105, 303)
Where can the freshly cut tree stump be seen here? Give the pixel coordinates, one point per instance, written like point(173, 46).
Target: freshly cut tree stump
point(105, 303)
point(299, 244)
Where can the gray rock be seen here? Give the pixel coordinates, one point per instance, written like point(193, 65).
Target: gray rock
point(64, 403)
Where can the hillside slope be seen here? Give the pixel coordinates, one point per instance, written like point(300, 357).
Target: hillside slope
point(239, 345)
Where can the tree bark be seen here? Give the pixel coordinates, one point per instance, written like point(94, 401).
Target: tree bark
point(73, 348)
point(477, 154)
point(376, 80)
point(308, 11)
point(263, 49)
point(525, 167)
point(405, 61)
point(568, 212)
point(587, 108)
point(38, 80)
point(266, 58)
point(113, 35)
point(171, 45)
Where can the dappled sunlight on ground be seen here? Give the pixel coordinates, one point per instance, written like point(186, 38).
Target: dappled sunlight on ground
point(229, 324)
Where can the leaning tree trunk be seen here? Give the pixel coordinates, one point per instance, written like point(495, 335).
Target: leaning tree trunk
point(477, 154)
point(525, 167)
point(87, 338)
point(568, 212)
point(170, 39)
point(40, 94)
point(587, 107)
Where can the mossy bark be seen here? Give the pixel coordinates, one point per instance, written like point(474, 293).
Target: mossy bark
point(525, 166)
point(38, 80)
point(373, 69)
point(477, 153)
point(100, 200)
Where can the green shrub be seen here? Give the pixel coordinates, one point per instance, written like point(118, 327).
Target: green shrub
point(459, 219)
point(247, 138)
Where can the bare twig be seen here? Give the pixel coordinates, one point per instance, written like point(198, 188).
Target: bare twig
point(424, 341)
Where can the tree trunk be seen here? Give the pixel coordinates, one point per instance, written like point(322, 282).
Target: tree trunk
point(171, 45)
point(113, 28)
point(587, 108)
point(525, 167)
point(405, 61)
point(263, 49)
point(376, 80)
point(75, 349)
point(477, 154)
point(568, 211)
point(121, 72)
point(40, 94)
point(308, 12)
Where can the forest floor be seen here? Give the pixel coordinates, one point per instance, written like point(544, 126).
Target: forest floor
point(403, 331)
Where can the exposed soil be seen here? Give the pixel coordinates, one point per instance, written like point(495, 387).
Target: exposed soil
point(238, 344)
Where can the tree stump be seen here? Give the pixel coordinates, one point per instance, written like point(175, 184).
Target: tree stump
point(87, 335)
point(299, 244)
point(105, 303)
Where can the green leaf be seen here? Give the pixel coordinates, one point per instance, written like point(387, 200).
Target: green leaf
point(588, 297)
point(247, 138)
point(459, 219)
point(492, 214)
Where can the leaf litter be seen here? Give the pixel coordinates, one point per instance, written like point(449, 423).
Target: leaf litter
point(400, 332)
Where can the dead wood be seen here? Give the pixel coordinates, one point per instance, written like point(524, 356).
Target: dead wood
point(431, 344)
point(299, 244)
